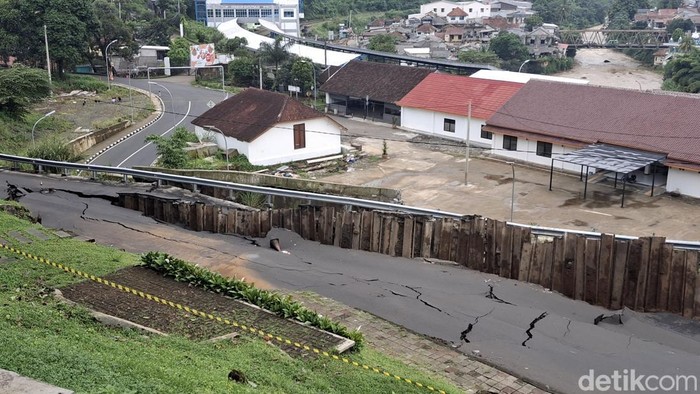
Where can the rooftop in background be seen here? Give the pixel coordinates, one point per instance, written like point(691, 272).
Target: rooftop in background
point(247, 115)
point(451, 94)
point(379, 81)
point(511, 76)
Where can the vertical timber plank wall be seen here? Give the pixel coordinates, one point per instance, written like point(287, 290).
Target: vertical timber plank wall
point(644, 274)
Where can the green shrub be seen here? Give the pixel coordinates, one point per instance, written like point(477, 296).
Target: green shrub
point(53, 149)
point(80, 82)
point(282, 306)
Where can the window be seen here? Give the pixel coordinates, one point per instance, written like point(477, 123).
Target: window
point(288, 14)
point(434, 9)
point(218, 13)
point(544, 149)
point(299, 136)
point(510, 142)
point(266, 13)
point(482, 10)
point(487, 135)
point(442, 10)
point(461, 18)
point(254, 13)
point(449, 125)
point(229, 13)
point(210, 13)
point(241, 13)
point(470, 10)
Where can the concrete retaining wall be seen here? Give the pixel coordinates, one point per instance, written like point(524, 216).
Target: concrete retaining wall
point(87, 141)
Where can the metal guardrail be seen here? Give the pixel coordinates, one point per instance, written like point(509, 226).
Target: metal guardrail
point(370, 204)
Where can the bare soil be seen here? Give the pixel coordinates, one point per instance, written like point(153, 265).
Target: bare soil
point(170, 320)
point(606, 67)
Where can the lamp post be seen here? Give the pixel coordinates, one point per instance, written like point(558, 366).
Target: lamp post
point(37, 122)
point(524, 63)
point(107, 61)
point(512, 191)
point(225, 142)
point(172, 102)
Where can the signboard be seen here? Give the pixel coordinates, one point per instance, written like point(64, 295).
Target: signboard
point(202, 55)
point(295, 89)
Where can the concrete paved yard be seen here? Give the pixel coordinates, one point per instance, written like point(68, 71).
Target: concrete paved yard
point(430, 174)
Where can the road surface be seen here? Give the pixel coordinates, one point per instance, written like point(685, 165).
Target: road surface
point(437, 300)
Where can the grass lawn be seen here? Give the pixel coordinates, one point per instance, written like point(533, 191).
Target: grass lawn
point(62, 345)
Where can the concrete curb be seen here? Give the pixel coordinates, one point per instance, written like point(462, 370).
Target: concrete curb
point(11, 382)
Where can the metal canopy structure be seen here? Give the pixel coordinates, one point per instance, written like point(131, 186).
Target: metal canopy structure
point(610, 158)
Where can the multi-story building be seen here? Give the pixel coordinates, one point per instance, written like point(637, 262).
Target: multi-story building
point(472, 9)
point(284, 13)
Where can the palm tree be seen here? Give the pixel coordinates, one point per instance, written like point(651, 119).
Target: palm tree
point(275, 53)
point(687, 44)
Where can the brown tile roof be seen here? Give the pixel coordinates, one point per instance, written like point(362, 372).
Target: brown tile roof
point(380, 81)
point(583, 114)
point(249, 114)
point(451, 94)
point(457, 12)
point(426, 28)
point(455, 31)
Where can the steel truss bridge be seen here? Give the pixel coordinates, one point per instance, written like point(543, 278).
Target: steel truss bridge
point(650, 39)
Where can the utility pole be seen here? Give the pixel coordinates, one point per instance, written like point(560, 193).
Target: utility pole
point(48, 60)
point(466, 155)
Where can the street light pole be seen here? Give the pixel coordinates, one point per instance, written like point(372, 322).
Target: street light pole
point(512, 191)
point(37, 122)
point(107, 61)
point(172, 102)
point(524, 63)
point(228, 167)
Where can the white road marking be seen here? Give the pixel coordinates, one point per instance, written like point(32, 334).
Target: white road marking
point(595, 212)
point(189, 107)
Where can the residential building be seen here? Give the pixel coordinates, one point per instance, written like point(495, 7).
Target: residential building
point(284, 13)
point(545, 119)
point(472, 9)
point(370, 89)
point(269, 128)
point(439, 105)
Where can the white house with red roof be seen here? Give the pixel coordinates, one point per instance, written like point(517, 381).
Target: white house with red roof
point(439, 105)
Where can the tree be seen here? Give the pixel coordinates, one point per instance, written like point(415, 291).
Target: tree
point(383, 43)
point(230, 45)
point(303, 74)
point(19, 87)
point(683, 72)
point(109, 27)
point(533, 22)
point(244, 71)
point(480, 57)
point(171, 151)
point(179, 52)
point(275, 53)
point(508, 46)
point(684, 25)
point(627, 8)
point(669, 4)
point(687, 44)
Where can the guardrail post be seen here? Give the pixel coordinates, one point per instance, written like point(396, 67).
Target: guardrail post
point(14, 166)
point(94, 175)
point(40, 169)
point(126, 178)
point(194, 188)
point(159, 183)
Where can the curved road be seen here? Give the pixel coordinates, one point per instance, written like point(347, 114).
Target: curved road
point(188, 102)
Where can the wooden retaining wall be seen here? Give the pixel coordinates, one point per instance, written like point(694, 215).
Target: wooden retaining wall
point(644, 274)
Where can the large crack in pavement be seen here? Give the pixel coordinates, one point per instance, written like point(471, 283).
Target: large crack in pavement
point(463, 334)
point(494, 297)
point(532, 326)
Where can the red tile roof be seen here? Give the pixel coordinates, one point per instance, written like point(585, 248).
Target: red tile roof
point(457, 12)
point(450, 94)
point(249, 114)
point(654, 122)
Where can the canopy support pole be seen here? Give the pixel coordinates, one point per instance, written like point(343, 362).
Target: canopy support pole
point(585, 186)
point(624, 183)
point(615, 186)
point(653, 179)
point(551, 173)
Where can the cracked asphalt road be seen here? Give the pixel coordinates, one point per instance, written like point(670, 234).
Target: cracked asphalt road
point(441, 301)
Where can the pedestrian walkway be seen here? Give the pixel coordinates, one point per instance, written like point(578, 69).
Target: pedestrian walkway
point(12, 383)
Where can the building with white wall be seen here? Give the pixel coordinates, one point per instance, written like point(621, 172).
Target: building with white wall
point(284, 13)
point(546, 118)
point(439, 105)
point(472, 9)
point(269, 128)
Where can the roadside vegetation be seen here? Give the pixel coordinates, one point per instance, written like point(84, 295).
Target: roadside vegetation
point(62, 345)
